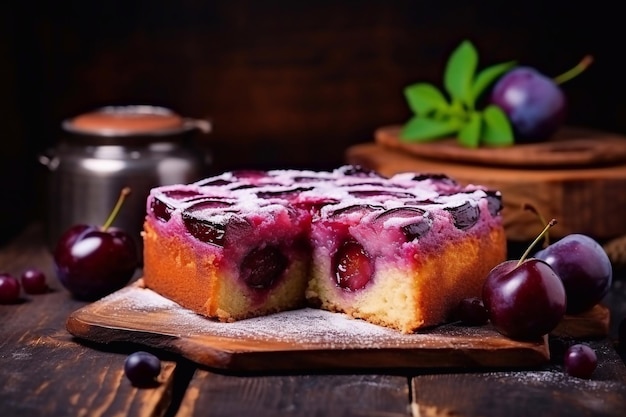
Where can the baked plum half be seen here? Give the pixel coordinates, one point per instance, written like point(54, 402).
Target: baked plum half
point(419, 225)
point(222, 227)
point(352, 266)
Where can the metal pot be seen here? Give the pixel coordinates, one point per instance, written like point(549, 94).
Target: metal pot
point(103, 151)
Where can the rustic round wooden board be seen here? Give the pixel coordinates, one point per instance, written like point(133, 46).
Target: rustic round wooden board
point(571, 147)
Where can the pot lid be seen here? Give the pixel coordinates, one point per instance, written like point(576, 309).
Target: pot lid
point(131, 120)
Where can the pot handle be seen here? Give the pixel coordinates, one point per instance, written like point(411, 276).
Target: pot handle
point(202, 125)
point(49, 160)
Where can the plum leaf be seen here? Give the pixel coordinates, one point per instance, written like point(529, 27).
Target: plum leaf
point(437, 116)
point(487, 76)
point(459, 73)
point(498, 130)
point(469, 134)
point(424, 98)
point(422, 129)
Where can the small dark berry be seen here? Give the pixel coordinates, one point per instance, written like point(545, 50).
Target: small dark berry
point(142, 368)
point(9, 288)
point(580, 361)
point(34, 281)
point(472, 312)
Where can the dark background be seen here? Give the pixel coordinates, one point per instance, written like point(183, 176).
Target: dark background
point(286, 83)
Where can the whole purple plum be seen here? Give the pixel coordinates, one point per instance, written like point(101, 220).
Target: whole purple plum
point(583, 266)
point(535, 105)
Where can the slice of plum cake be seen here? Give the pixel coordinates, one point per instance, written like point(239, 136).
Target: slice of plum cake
point(405, 256)
point(225, 256)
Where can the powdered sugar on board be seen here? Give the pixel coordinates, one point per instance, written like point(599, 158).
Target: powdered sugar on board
point(299, 339)
point(138, 307)
point(315, 326)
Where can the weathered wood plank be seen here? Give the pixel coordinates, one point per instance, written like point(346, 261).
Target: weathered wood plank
point(46, 372)
point(548, 392)
point(291, 395)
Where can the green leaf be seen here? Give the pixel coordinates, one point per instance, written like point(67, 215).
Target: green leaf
point(498, 130)
point(420, 129)
point(469, 135)
point(488, 76)
point(452, 111)
point(424, 98)
point(459, 72)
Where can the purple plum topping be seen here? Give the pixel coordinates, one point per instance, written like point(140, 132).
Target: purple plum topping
point(262, 267)
point(404, 212)
point(208, 203)
point(465, 216)
point(356, 208)
point(160, 209)
point(217, 230)
point(414, 230)
point(494, 202)
point(314, 205)
point(181, 194)
point(358, 171)
point(419, 202)
point(381, 193)
point(249, 174)
point(243, 186)
point(285, 193)
point(305, 179)
point(214, 182)
point(352, 266)
point(435, 177)
point(380, 182)
point(201, 197)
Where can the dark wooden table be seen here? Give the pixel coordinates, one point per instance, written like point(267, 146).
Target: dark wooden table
point(44, 371)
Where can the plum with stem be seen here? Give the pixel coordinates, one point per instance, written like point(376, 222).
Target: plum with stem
point(524, 299)
point(93, 261)
point(534, 103)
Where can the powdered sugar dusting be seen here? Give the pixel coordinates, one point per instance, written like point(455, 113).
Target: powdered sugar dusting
point(558, 379)
point(139, 298)
point(313, 327)
point(332, 330)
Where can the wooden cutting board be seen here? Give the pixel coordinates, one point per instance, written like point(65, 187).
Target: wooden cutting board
point(570, 147)
point(296, 340)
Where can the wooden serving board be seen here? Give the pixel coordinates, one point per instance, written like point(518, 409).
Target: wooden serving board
point(296, 340)
point(570, 147)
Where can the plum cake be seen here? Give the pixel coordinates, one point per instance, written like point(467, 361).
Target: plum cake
point(399, 251)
